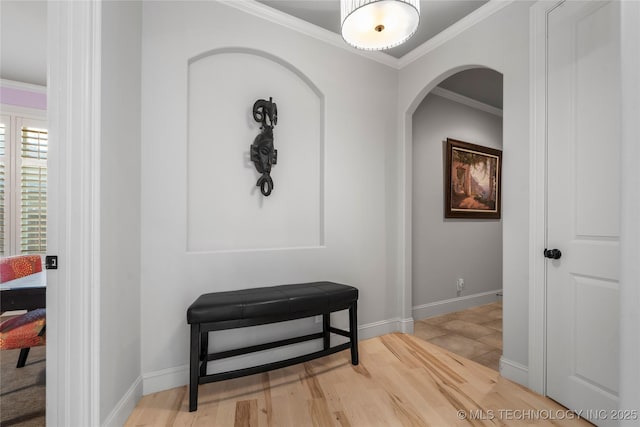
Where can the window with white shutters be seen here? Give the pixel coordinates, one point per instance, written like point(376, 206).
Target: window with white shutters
point(33, 191)
point(3, 132)
point(23, 185)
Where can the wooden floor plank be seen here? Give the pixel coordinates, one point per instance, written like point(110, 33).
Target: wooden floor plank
point(401, 381)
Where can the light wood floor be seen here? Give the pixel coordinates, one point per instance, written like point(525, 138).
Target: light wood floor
point(474, 333)
point(401, 381)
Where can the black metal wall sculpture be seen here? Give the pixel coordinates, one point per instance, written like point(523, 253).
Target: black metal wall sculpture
point(263, 153)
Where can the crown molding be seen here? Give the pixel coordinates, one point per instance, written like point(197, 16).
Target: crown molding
point(469, 102)
point(478, 15)
point(12, 84)
point(260, 10)
point(273, 15)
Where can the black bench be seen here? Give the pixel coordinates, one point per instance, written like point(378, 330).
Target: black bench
point(249, 307)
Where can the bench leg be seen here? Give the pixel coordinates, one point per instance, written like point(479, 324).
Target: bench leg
point(204, 352)
point(353, 329)
point(326, 324)
point(194, 357)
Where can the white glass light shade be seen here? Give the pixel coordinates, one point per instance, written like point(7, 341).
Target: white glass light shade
point(378, 24)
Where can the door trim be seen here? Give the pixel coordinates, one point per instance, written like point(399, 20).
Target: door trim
point(630, 228)
point(538, 24)
point(73, 297)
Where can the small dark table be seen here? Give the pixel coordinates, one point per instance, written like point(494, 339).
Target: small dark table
point(23, 298)
point(26, 293)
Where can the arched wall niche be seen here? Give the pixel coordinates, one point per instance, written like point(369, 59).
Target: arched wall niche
point(225, 210)
point(261, 53)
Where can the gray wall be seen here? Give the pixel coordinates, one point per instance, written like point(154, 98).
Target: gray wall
point(446, 249)
point(348, 126)
point(120, 205)
point(358, 177)
point(500, 42)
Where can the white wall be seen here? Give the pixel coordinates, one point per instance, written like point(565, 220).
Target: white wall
point(120, 372)
point(354, 134)
point(444, 250)
point(500, 42)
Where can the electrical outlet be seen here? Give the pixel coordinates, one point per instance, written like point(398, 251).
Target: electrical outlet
point(460, 284)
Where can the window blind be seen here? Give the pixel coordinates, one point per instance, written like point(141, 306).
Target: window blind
point(34, 143)
point(33, 191)
point(24, 148)
point(3, 132)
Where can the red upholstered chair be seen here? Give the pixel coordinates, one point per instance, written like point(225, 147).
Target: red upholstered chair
point(24, 331)
point(19, 266)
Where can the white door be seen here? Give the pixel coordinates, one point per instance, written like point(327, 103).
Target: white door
point(583, 191)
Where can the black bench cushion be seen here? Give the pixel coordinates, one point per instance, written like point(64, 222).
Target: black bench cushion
point(318, 297)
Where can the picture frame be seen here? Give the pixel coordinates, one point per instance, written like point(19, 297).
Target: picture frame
point(473, 181)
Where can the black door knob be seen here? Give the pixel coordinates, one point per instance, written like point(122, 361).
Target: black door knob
point(552, 253)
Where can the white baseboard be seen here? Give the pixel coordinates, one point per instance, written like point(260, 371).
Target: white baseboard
point(125, 406)
point(406, 325)
point(514, 371)
point(178, 376)
point(165, 379)
point(439, 308)
point(375, 329)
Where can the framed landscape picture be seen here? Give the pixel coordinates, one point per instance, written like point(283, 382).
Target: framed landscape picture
point(472, 184)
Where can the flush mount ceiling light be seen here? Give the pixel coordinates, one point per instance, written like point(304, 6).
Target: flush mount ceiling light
point(378, 24)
